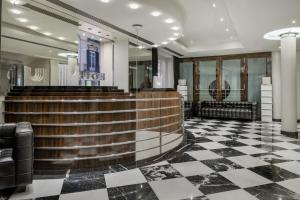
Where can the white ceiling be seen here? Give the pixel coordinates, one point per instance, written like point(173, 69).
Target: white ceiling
point(204, 34)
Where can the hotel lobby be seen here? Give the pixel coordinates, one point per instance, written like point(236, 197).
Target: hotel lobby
point(150, 100)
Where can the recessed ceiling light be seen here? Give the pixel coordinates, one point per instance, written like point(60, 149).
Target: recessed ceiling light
point(294, 22)
point(155, 45)
point(227, 30)
point(15, 2)
point(169, 21)
point(23, 20)
point(68, 54)
point(47, 33)
point(175, 28)
point(16, 11)
point(221, 19)
point(105, 1)
point(83, 34)
point(134, 6)
point(76, 42)
point(33, 27)
point(214, 5)
point(155, 13)
point(172, 39)
point(140, 47)
point(61, 38)
point(176, 34)
point(165, 43)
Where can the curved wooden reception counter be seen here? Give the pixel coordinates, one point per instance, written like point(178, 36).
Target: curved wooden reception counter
point(79, 127)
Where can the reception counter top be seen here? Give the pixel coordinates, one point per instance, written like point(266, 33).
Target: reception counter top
point(78, 127)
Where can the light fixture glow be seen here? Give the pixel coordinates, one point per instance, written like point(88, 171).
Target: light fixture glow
point(278, 34)
point(47, 33)
point(214, 5)
point(105, 1)
point(23, 20)
point(294, 22)
point(16, 11)
point(61, 38)
point(15, 2)
point(68, 54)
point(155, 13)
point(227, 30)
point(175, 28)
point(165, 43)
point(221, 19)
point(155, 45)
point(169, 21)
point(33, 28)
point(140, 47)
point(134, 6)
point(76, 42)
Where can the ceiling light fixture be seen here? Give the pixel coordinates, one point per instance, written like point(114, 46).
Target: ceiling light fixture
point(140, 47)
point(165, 43)
point(33, 28)
point(68, 54)
point(105, 1)
point(61, 38)
point(76, 42)
point(155, 45)
point(175, 28)
point(172, 39)
point(16, 11)
point(214, 5)
point(227, 30)
point(15, 2)
point(278, 34)
point(23, 20)
point(169, 21)
point(155, 13)
point(221, 19)
point(134, 6)
point(47, 33)
point(294, 22)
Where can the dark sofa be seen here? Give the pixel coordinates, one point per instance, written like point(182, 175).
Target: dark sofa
point(229, 110)
point(16, 155)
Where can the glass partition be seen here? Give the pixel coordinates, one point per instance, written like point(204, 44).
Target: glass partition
point(231, 80)
point(257, 69)
point(186, 72)
point(208, 75)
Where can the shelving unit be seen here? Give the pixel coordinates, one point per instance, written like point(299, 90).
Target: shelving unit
point(266, 103)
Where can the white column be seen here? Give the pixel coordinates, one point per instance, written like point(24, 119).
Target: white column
point(276, 84)
point(289, 86)
point(121, 65)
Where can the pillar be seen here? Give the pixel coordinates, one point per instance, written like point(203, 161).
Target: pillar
point(289, 86)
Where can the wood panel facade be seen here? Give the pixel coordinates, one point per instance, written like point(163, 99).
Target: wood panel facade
point(87, 128)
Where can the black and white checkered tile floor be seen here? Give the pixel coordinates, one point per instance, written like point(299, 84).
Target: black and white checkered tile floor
point(221, 160)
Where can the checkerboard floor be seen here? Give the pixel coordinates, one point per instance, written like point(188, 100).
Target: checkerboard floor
point(221, 160)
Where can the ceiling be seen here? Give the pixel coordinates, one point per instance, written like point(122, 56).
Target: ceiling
point(206, 27)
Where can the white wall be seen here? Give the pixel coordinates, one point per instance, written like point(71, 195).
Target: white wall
point(276, 65)
point(106, 63)
point(54, 78)
point(121, 65)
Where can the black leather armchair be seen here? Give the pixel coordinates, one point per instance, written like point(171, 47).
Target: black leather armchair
point(16, 158)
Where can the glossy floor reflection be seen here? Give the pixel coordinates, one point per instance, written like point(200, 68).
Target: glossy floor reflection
point(220, 160)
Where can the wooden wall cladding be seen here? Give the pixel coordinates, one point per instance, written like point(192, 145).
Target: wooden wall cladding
point(77, 127)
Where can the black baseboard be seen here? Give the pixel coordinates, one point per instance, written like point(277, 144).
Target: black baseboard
point(290, 134)
point(279, 120)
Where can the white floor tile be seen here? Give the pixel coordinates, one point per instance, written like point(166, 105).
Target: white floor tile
point(212, 145)
point(293, 166)
point(40, 188)
point(247, 161)
point(192, 168)
point(234, 194)
point(249, 150)
point(129, 177)
point(175, 189)
point(293, 185)
point(287, 145)
point(245, 178)
point(88, 195)
point(250, 141)
point(217, 138)
point(289, 154)
point(203, 155)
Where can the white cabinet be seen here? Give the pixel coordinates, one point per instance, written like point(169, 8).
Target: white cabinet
point(266, 103)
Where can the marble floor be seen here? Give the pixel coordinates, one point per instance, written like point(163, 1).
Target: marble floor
point(220, 160)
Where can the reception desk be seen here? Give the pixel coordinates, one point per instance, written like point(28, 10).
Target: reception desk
point(80, 127)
